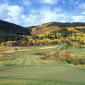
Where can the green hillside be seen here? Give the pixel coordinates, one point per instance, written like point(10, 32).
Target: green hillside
point(9, 31)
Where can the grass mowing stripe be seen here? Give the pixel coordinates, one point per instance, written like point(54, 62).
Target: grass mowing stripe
point(44, 81)
point(18, 58)
point(23, 60)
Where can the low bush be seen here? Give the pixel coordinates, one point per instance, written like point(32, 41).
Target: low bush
point(75, 61)
point(69, 60)
point(82, 61)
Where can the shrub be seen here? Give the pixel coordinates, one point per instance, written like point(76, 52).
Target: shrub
point(82, 61)
point(69, 60)
point(76, 61)
point(15, 48)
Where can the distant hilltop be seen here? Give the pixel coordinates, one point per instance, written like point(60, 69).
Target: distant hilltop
point(53, 27)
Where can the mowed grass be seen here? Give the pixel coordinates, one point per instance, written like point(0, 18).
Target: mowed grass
point(44, 75)
point(28, 69)
point(58, 74)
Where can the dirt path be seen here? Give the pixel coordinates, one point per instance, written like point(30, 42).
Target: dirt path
point(48, 47)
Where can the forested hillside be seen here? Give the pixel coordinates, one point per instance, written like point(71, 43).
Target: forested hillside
point(48, 33)
point(54, 27)
point(56, 32)
point(11, 32)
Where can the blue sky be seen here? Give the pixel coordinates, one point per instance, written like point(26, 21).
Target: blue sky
point(36, 12)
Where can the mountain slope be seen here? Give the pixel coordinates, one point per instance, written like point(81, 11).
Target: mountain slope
point(54, 27)
point(10, 31)
point(53, 32)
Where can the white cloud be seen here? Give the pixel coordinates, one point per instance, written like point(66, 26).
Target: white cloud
point(64, 1)
point(46, 15)
point(3, 10)
point(11, 13)
point(15, 14)
point(14, 11)
point(73, 1)
point(78, 18)
point(82, 6)
point(49, 2)
point(83, 12)
point(26, 2)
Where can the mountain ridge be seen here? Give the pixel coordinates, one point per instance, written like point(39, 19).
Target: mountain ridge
point(33, 34)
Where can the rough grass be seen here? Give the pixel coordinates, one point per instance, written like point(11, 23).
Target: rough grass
point(76, 50)
point(4, 49)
